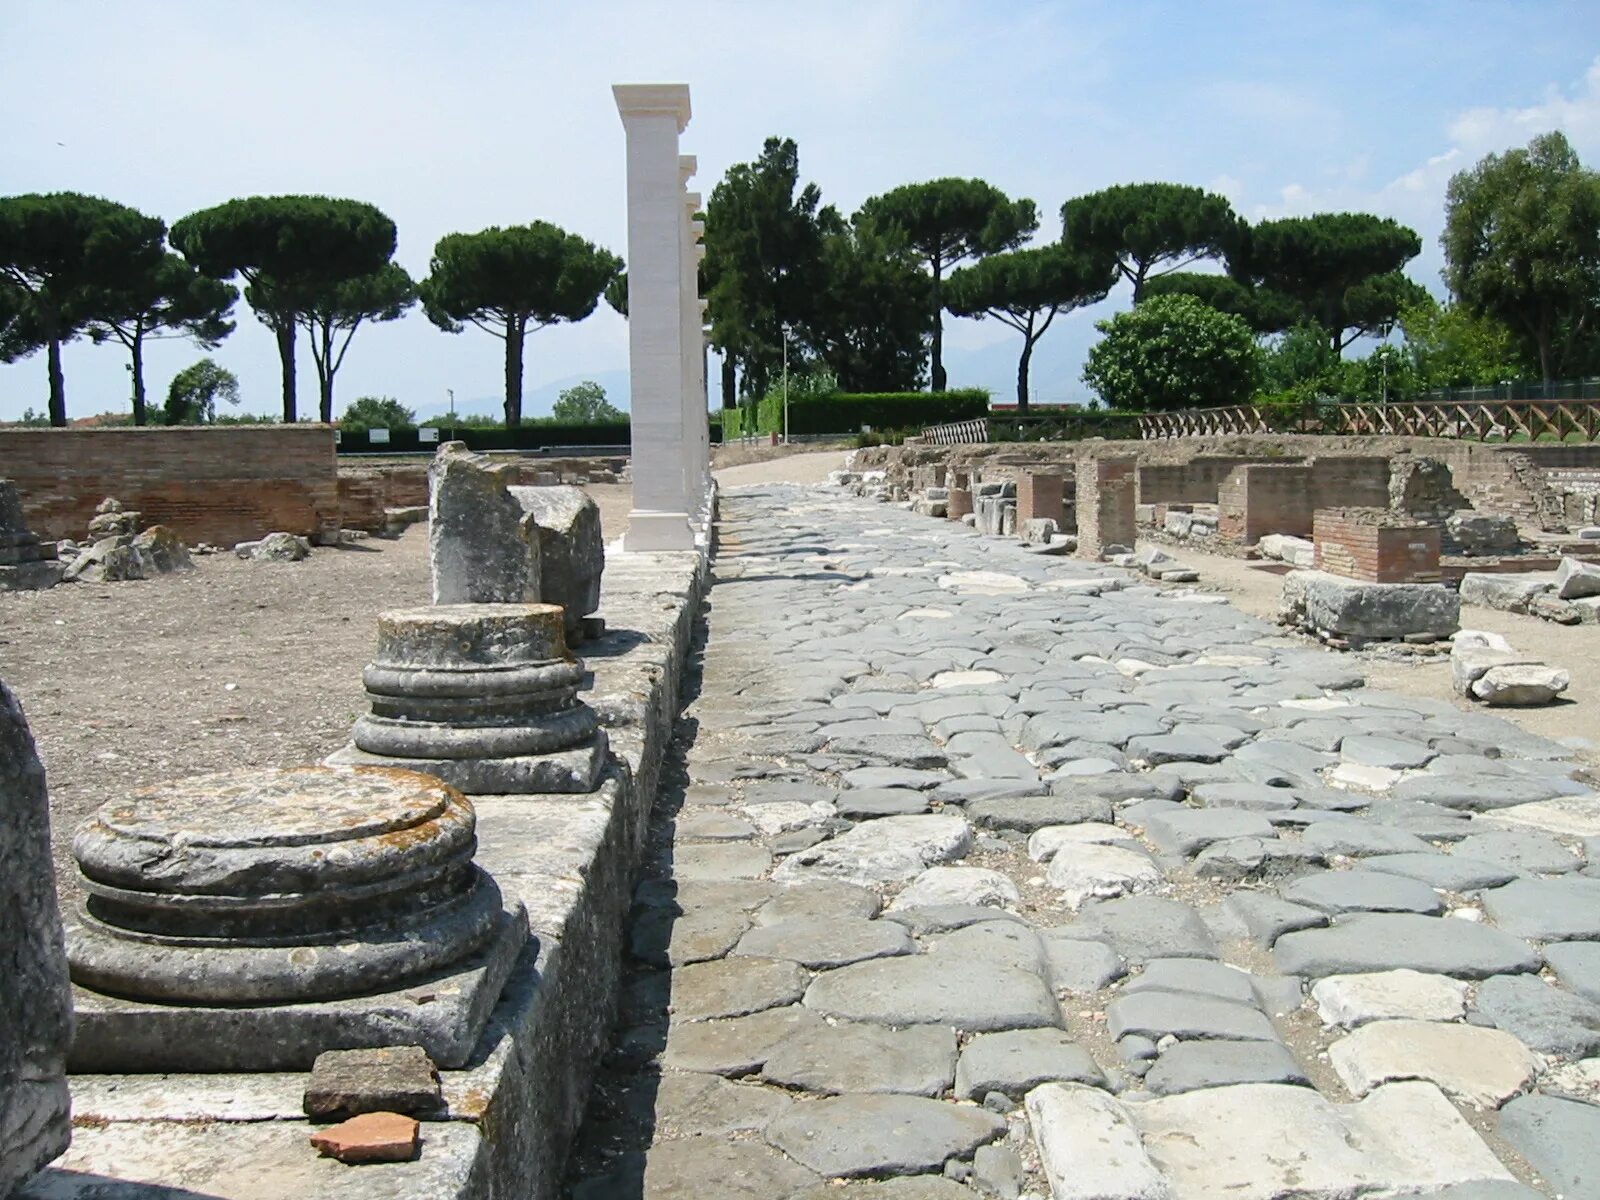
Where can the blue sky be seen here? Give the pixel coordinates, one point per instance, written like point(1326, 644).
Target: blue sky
point(458, 114)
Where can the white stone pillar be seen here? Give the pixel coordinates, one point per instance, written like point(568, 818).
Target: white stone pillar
point(653, 115)
point(697, 433)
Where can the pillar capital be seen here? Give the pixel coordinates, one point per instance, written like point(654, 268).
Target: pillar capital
point(636, 100)
point(688, 164)
point(692, 201)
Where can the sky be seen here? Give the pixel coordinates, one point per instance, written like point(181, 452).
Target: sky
point(454, 115)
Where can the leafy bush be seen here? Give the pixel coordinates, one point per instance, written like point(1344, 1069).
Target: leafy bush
point(847, 412)
point(1173, 352)
point(376, 412)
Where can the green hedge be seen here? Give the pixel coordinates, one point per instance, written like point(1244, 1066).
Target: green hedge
point(847, 412)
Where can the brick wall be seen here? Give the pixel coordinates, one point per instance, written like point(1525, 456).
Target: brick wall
point(1193, 482)
point(1350, 481)
point(1376, 546)
point(222, 484)
point(1039, 494)
point(1262, 498)
point(1105, 503)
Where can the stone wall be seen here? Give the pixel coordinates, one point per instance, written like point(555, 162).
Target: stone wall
point(1194, 482)
point(221, 484)
point(1105, 503)
point(1261, 498)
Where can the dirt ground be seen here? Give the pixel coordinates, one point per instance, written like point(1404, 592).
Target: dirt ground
point(1573, 647)
point(805, 462)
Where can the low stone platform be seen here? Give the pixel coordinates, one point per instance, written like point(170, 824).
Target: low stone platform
point(513, 1108)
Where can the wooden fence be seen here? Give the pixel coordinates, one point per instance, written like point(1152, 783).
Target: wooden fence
point(1468, 420)
point(959, 433)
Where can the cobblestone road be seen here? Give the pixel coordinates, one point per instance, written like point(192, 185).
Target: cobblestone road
point(1001, 874)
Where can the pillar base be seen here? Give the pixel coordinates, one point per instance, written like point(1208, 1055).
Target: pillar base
point(650, 531)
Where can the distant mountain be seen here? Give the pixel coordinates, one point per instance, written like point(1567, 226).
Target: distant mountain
point(536, 401)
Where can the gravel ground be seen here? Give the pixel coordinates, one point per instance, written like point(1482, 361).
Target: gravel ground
point(234, 664)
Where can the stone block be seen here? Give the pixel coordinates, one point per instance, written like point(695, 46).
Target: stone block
point(1349, 608)
point(1482, 533)
point(1297, 551)
point(1519, 685)
point(1506, 592)
point(347, 1083)
point(483, 546)
point(572, 552)
point(1575, 579)
point(1376, 545)
point(35, 1009)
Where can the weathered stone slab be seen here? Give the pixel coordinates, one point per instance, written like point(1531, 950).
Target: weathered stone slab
point(1561, 1138)
point(1481, 1067)
point(735, 987)
point(1547, 910)
point(571, 549)
point(1549, 1019)
point(1351, 1000)
point(1186, 1016)
point(1337, 892)
point(1089, 1147)
point(917, 1061)
point(482, 547)
point(737, 1046)
point(823, 942)
point(1387, 941)
point(35, 1008)
point(880, 1135)
point(1016, 1061)
point(925, 990)
point(1099, 872)
point(1191, 1066)
point(888, 850)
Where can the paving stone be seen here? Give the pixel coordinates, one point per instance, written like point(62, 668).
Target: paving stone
point(902, 1187)
point(1347, 1001)
point(1189, 830)
point(1364, 942)
point(862, 804)
point(1557, 910)
point(695, 1105)
point(1015, 1062)
point(1473, 795)
point(1455, 872)
point(918, 1061)
point(868, 778)
point(892, 750)
point(1357, 839)
point(1522, 851)
point(1089, 1147)
point(941, 918)
point(1191, 1066)
point(1560, 1138)
point(713, 827)
point(1099, 872)
point(1198, 976)
point(1481, 1067)
point(1548, 1019)
point(695, 1168)
point(1176, 747)
point(879, 1135)
point(1376, 750)
point(1253, 797)
point(1577, 965)
point(1186, 1016)
point(795, 840)
point(924, 990)
point(1006, 943)
point(1262, 1141)
point(1361, 891)
point(735, 987)
point(1028, 814)
point(1043, 844)
point(1428, 821)
point(662, 937)
point(1080, 966)
point(997, 1170)
point(711, 862)
point(822, 899)
point(1267, 917)
point(957, 885)
point(820, 942)
point(1234, 860)
point(887, 850)
point(1141, 928)
point(772, 817)
point(737, 1046)
point(1503, 1189)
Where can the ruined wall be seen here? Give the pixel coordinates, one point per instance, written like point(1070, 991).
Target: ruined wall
point(1376, 546)
point(220, 484)
point(1261, 498)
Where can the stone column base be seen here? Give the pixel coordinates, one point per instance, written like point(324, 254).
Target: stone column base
point(652, 531)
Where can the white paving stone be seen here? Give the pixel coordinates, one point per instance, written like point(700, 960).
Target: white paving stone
point(1089, 1148)
point(1100, 872)
point(1348, 1001)
point(1046, 843)
point(958, 885)
point(952, 679)
point(887, 850)
point(1479, 1066)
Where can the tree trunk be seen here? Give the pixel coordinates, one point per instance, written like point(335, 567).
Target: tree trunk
point(730, 398)
point(139, 417)
point(939, 377)
point(1138, 284)
point(1546, 367)
point(514, 335)
point(1022, 376)
point(58, 384)
point(285, 335)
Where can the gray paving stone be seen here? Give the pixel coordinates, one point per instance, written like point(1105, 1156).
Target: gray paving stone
point(1191, 1066)
point(1120, 788)
point(1195, 975)
point(822, 942)
point(924, 990)
point(1456, 872)
point(1362, 891)
point(713, 827)
point(735, 987)
point(893, 777)
point(1472, 795)
point(1080, 966)
point(901, 1187)
point(708, 862)
point(941, 918)
point(1186, 1016)
point(1253, 797)
point(1015, 1062)
point(1358, 839)
point(1485, 1190)
point(1004, 943)
point(662, 937)
point(881, 1135)
point(694, 1168)
point(1176, 747)
point(918, 1061)
point(1235, 860)
point(1530, 852)
point(1268, 917)
point(1377, 750)
point(891, 750)
point(860, 804)
point(695, 1105)
point(1027, 814)
point(1577, 965)
point(1550, 910)
point(1141, 928)
point(821, 898)
point(1365, 942)
point(1560, 1138)
point(1550, 1020)
point(1428, 821)
point(737, 1046)
point(1189, 830)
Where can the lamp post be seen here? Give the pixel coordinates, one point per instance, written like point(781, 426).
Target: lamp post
point(785, 383)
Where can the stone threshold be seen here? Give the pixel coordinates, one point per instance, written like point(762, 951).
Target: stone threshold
point(514, 1110)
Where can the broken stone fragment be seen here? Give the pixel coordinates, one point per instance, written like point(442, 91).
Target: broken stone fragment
point(369, 1138)
point(392, 1079)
